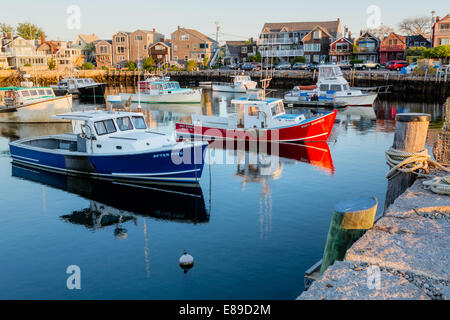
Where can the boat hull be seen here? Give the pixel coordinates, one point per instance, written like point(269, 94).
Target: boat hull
point(364, 100)
point(38, 112)
point(194, 96)
point(317, 129)
point(152, 167)
point(232, 88)
point(97, 91)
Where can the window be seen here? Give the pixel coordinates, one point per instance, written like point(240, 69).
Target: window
point(184, 37)
point(49, 92)
point(185, 58)
point(277, 109)
point(317, 34)
point(175, 48)
point(444, 41)
point(187, 46)
point(243, 49)
point(105, 127)
point(138, 38)
point(444, 27)
point(335, 87)
point(139, 122)
point(103, 49)
point(41, 92)
point(124, 124)
point(175, 58)
point(324, 87)
point(159, 47)
point(203, 46)
point(312, 47)
point(253, 111)
point(33, 92)
point(120, 50)
point(25, 93)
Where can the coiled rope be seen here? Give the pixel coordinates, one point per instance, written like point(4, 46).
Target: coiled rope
point(411, 162)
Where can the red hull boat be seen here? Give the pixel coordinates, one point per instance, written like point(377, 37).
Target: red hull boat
point(259, 120)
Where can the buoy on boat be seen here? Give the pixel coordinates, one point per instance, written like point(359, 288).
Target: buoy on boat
point(186, 261)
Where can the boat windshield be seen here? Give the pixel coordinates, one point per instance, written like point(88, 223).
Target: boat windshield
point(330, 72)
point(277, 108)
point(139, 123)
point(124, 124)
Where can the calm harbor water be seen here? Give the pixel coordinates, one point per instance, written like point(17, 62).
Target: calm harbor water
point(253, 229)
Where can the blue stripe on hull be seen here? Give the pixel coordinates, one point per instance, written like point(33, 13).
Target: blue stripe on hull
point(139, 168)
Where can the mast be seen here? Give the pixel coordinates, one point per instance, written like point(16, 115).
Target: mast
point(139, 78)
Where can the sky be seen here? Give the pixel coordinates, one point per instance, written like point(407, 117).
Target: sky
point(238, 19)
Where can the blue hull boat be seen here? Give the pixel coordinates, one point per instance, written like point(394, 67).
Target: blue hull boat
point(114, 146)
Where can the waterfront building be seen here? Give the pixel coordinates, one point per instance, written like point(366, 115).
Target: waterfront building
point(316, 45)
point(84, 43)
point(239, 51)
point(417, 41)
point(103, 53)
point(160, 52)
point(20, 52)
point(393, 47)
point(120, 48)
point(140, 41)
point(190, 44)
point(283, 40)
point(341, 50)
point(367, 48)
point(441, 31)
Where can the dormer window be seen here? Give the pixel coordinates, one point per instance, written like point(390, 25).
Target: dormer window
point(317, 34)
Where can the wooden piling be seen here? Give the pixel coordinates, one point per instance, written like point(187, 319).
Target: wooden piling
point(351, 219)
point(410, 136)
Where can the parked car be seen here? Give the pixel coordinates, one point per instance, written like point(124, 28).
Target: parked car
point(300, 66)
point(256, 66)
point(344, 65)
point(411, 67)
point(248, 66)
point(367, 65)
point(283, 66)
point(313, 66)
point(396, 65)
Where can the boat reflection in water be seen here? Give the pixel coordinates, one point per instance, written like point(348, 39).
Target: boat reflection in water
point(263, 166)
point(115, 204)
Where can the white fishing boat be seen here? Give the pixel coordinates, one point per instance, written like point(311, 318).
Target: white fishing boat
point(239, 83)
point(163, 91)
point(28, 104)
point(331, 89)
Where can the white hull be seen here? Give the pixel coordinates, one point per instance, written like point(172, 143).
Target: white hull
point(194, 96)
point(360, 100)
point(232, 88)
point(39, 112)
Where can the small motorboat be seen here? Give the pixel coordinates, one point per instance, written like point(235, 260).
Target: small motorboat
point(239, 84)
point(29, 104)
point(259, 119)
point(114, 146)
point(84, 87)
point(162, 91)
point(331, 90)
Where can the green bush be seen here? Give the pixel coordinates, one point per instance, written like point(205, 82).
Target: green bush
point(87, 66)
point(355, 61)
point(130, 65)
point(27, 65)
point(104, 68)
point(298, 59)
point(191, 65)
point(148, 63)
point(51, 64)
point(415, 51)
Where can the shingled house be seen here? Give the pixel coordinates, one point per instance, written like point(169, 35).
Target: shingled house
point(284, 40)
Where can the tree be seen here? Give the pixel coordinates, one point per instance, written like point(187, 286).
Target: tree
point(89, 48)
point(441, 52)
point(254, 58)
point(6, 28)
point(416, 26)
point(191, 65)
point(415, 51)
point(205, 61)
point(131, 65)
point(381, 32)
point(87, 66)
point(29, 31)
point(148, 63)
point(51, 64)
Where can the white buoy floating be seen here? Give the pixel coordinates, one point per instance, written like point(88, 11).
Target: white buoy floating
point(186, 261)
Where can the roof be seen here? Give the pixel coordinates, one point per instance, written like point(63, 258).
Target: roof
point(160, 43)
point(317, 27)
point(198, 34)
point(333, 27)
point(95, 115)
point(88, 38)
point(342, 38)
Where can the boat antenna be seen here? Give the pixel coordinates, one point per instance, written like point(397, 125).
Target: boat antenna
point(139, 79)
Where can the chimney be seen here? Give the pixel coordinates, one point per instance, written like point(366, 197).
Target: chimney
point(42, 39)
point(154, 30)
point(350, 35)
point(178, 27)
point(437, 19)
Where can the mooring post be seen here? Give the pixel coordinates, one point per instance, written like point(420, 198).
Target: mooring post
point(410, 136)
point(351, 219)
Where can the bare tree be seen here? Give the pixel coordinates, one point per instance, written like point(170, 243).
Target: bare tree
point(381, 32)
point(416, 26)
